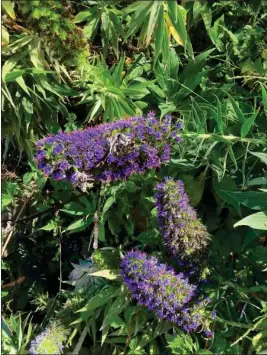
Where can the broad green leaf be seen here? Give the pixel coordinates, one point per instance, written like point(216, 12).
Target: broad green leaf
point(8, 6)
point(251, 199)
point(50, 226)
point(22, 84)
point(5, 37)
point(79, 225)
point(258, 181)
point(109, 202)
point(131, 186)
point(192, 73)
point(6, 200)
point(75, 209)
point(8, 66)
point(194, 187)
point(226, 184)
point(257, 221)
point(84, 15)
point(89, 30)
point(12, 76)
point(36, 53)
point(261, 156)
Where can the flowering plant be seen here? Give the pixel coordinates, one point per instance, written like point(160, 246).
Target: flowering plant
point(184, 234)
point(50, 341)
point(107, 152)
point(160, 289)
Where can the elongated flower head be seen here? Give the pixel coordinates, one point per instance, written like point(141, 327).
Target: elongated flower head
point(184, 234)
point(107, 152)
point(160, 289)
point(50, 341)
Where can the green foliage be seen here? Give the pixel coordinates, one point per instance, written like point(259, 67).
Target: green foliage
point(53, 20)
point(112, 93)
point(70, 64)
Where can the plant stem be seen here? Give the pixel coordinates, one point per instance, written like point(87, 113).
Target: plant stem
point(80, 342)
point(219, 137)
point(96, 218)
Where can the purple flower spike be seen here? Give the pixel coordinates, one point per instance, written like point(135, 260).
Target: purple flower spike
point(170, 295)
point(184, 234)
point(109, 151)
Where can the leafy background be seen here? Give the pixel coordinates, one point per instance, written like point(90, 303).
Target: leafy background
point(71, 64)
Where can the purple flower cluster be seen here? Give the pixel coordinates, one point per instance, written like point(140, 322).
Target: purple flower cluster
point(161, 290)
point(50, 341)
point(184, 234)
point(109, 151)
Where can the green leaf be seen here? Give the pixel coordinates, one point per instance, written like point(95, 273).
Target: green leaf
point(111, 274)
point(117, 23)
point(257, 221)
point(8, 6)
point(109, 202)
point(52, 225)
point(99, 300)
point(89, 30)
point(22, 84)
point(75, 209)
point(178, 21)
point(251, 199)
point(12, 76)
point(238, 112)
point(261, 156)
point(264, 99)
point(101, 232)
point(195, 66)
point(84, 15)
point(246, 126)
point(117, 72)
point(131, 186)
point(5, 37)
point(79, 225)
point(193, 187)
point(159, 35)
point(153, 18)
point(258, 181)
